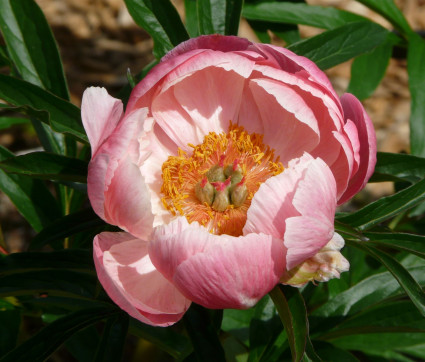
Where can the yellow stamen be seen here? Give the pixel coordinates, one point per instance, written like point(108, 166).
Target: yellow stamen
point(183, 172)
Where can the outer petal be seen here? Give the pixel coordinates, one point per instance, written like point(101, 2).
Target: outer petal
point(366, 143)
point(100, 114)
point(214, 42)
point(128, 201)
point(217, 271)
point(301, 66)
point(299, 206)
point(141, 95)
point(130, 279)
point(116, 188)
point(315, 199)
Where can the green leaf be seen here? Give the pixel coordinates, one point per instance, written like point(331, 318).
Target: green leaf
point(264, 328)
point(50, 338)
point(31, 45)
point(389, 10)
point(310, 353)
point(82, 345)
point(405, 279)
point(233, 16)
point(64, 304)
point(62, 116)
point(219, 17)
point(167, 339)
point(288, 32)
point(387, 317)
point(341, 44)
point(80, 221)
point(236, 322)
point(47, 166)
point(50, 140)
point(414, 244)
point(368, 70)
point(417, 350)
point(386, 207)
point(377, 344)
point(211, 17)
point(415, 70)
point(55, 282)
point(10, 321)
point(199, 323)
point(4, 58)
point(191, 14)
point(31, 197)
point(328, 352)
point(111, 346)
point(6, 122)
point(78, 260)
point(398, 167)
point(293, 13)
point(291, 308)
point(369, 291)
point(124, 93)
point(161, 20)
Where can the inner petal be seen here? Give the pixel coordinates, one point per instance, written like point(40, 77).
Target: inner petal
point(199, 103)
point(282, 108)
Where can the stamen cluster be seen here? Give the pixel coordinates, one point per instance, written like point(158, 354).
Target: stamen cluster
point(214, 185)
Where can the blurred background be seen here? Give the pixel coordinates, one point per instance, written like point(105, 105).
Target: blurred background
point(99, 41)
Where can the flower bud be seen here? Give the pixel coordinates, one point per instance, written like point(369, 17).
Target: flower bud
point(327, 264)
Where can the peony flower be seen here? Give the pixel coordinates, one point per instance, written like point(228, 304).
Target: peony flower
point(224, 172)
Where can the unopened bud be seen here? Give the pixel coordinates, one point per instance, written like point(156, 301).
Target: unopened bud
point(327, 264)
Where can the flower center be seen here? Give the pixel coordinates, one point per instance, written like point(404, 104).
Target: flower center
point(216, 183)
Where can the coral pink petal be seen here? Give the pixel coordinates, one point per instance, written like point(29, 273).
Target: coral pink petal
point(217, 271)
point(344, 165)
point(315, 200)
point(201, 96)
point(214, 42)
point(355, 112)
point(119, 145)
point(127, 200)
point(130, 279)
point(141, 95)
point(273, 202)
point(301, 66)
point(97, 175)
point(100, 114)
point(350, 130)
point(289, 125)
point(155, 148)
point(321, 102)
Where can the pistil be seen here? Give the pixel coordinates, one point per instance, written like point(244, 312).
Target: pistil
point(215, 183)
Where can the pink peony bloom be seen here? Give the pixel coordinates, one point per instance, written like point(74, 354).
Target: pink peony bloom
point(224, 171)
